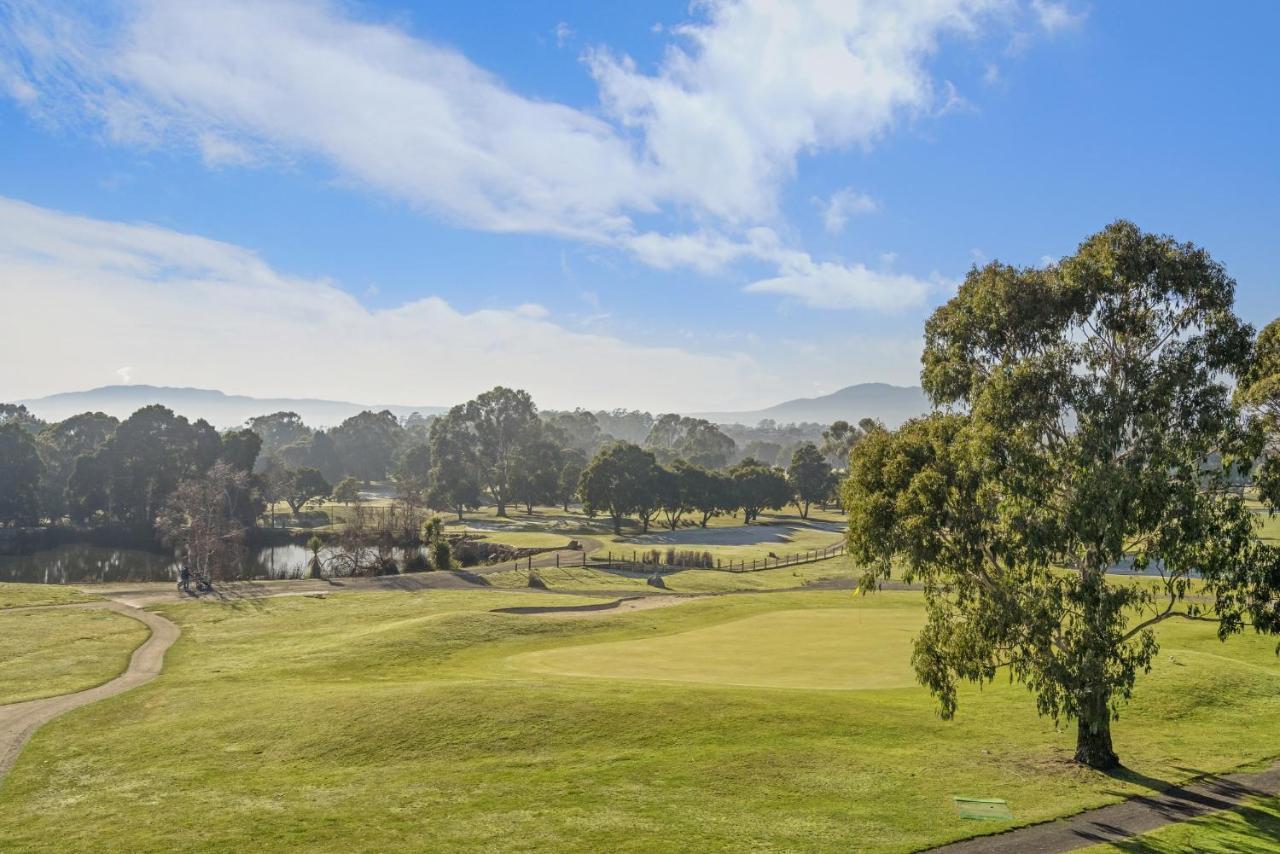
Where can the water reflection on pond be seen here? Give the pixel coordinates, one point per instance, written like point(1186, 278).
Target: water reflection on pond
point(78, 564)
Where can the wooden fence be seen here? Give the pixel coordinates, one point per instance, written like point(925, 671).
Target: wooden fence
point(635, 561)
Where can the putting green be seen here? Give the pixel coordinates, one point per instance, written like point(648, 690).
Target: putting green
point(854, 648)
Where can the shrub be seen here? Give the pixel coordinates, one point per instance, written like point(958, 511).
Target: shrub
point(690, 558)
point(442, 555)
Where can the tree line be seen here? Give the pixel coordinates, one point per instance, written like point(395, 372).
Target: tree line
point(94, 470)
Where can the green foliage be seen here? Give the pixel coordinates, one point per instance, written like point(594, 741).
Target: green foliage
point(809, 476)
point(20, 470)
point(316, 451)
point(60, 445)
point(704, 492)
point(757, 487)
point(441, 555)
point(579, 429)
point(838, 440)
point(240, 449)
point(621, 480)
point(413, 468)
point(1088, 396)
point(1258, 394)
point(503, 422)
point(455, 480)
point(367, 443)
point(571, 468)
point(130, 475)
point(278, 431)
point(535, 473)
point(347, 491)
point(694, 440)
point(302, 485)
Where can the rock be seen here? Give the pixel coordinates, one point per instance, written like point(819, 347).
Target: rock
point(655, 580)
point(536, 581)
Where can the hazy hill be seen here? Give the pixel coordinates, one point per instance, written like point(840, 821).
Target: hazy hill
point(220, 410)
point(891, 404)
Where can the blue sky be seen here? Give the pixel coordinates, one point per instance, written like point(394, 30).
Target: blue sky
point(651, 205)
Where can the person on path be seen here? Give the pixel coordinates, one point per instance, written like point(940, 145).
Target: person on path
point(184, 579)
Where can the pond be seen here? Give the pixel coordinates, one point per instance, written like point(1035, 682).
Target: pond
point(80, 564)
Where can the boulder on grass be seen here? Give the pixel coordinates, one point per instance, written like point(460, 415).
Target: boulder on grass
point(655, 580)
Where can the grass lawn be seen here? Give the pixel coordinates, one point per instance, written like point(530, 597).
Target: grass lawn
point(725, 537)
point(421, 721)
point(49, 652)
point(1269, 525)
point(14, 595)
point(802, 648)
point(1253, 828)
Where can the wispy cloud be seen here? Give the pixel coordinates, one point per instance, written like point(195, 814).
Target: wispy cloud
point(185, 310)
point(711, 135)
point(842, 204)
point(1055, 16)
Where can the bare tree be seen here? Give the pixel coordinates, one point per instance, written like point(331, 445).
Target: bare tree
point(204, 519)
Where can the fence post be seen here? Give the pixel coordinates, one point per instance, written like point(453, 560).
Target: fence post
point(557, 560)
point(753, 564)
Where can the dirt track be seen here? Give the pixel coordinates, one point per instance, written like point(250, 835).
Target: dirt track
point(19, 721)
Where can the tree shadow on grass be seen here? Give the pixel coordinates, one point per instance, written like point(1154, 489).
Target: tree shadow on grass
point(1247, 824)
point(1203, 794)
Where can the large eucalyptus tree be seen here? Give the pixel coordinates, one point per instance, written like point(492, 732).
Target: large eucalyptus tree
point(1085, 418)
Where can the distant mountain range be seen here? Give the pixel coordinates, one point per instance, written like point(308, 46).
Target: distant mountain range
point(891, 404)
point(220, 410)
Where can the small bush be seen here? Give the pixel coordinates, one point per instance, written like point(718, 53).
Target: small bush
point(442, 556)
point(690, 558)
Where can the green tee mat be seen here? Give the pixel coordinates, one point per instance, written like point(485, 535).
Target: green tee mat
point(983, 809)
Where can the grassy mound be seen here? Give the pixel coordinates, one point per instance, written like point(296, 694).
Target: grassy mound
point(50, 652)
point(14, 595)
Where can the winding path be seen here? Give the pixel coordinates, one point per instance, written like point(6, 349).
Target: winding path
point(19, 721)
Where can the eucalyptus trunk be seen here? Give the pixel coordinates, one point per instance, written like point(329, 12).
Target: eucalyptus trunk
point(1093, 743)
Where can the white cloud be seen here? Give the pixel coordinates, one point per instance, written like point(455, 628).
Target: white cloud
point(843, 204)
point(406, 117)
point(563, 32)
point(703, 251)
point(825, 284)
point(533, 310)
point(1054, 17)
point(710, 136)
point(185, 310)
point(758, 83)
